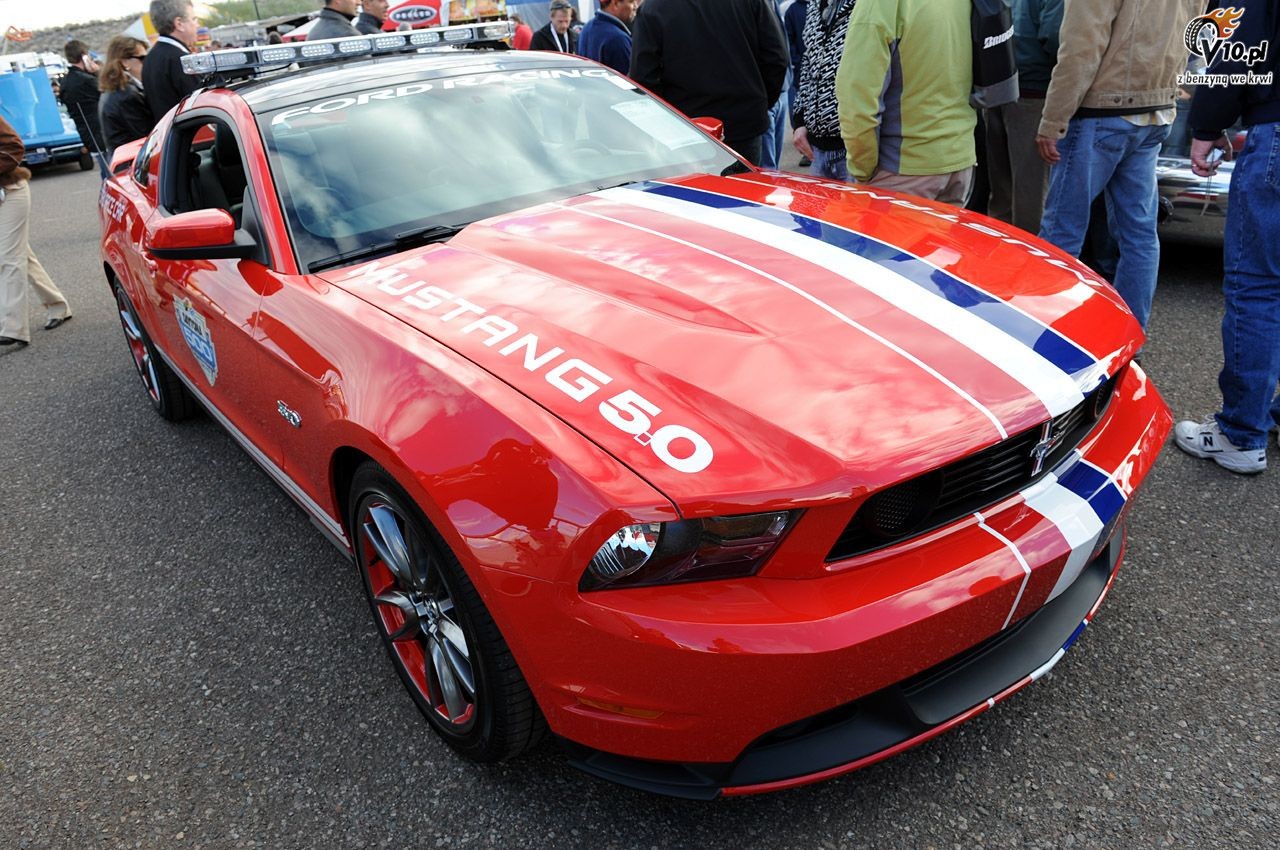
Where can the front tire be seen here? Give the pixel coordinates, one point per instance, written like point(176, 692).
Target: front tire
point(444, 645)
point(168, 396)
point(86, 161)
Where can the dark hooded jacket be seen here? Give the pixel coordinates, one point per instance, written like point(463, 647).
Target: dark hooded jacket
point(726, 60)
point(79, 94)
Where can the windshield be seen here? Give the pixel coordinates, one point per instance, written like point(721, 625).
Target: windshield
point(365, 172)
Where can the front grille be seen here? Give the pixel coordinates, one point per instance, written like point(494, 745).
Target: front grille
point(970, 484)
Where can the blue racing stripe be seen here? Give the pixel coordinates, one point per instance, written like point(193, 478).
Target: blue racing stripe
point(1079, 630)
point(1093, 485)
point(1048, 343)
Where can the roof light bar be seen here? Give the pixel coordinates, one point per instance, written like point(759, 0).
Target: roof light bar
point(274, 55)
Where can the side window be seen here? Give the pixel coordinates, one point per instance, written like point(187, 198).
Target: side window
point(203, 169)
point(142, 163)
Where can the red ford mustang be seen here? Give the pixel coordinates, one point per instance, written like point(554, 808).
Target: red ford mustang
point(728, 480)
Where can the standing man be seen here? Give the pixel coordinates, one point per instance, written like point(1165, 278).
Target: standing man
point(725, 60)
point(775, 135)
point(815, 116)
point(1107, 111)
point(1019, 178)
point(1236, 438)
point(334, 21)
point(903, 85)
point(607, 37)
point(372, 15)
point(79, 93)
point(18, 264)
point(163, 79)
point(557, 35)
point(793, 20)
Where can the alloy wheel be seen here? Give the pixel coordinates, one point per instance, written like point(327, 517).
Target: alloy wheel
point(138, 347)
point(416, 611)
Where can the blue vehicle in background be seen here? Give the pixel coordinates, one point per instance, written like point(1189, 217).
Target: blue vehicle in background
point(28, 103)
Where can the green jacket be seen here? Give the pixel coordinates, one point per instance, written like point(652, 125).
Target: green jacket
point(903, 86)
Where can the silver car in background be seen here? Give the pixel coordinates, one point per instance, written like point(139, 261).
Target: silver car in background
point(1192, 208)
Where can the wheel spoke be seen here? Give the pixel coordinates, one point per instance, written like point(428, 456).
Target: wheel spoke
point(454, 702)
point(385, 535)
point(453, 634)
point(412, 622)
point(130, 329)
point(461, 667)
point(421, 564)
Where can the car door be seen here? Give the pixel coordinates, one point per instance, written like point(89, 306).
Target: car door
point(206, 308)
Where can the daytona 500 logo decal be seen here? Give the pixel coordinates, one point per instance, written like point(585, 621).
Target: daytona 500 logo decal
point(679, 447)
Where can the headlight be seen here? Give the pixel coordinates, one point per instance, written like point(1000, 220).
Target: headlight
point(688, 550)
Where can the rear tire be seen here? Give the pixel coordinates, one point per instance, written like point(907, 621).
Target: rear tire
point(86, 161)
point(168, 395)
point(444, 645)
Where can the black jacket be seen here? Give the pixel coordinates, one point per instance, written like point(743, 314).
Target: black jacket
point(125, 116)
point(1215, 108)
point(367, 24)
point(724, 59)
point(164, 80)
point(815, 108)
point(80, 95)
point(544, 40)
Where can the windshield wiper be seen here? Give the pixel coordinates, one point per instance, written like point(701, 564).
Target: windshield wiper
point(426, 235)
point(407, 239)
point(616, 185)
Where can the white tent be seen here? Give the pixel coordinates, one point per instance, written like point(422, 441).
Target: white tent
point(138, 30)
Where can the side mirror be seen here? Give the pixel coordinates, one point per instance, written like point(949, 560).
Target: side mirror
point(713, 127)
point(200, 235)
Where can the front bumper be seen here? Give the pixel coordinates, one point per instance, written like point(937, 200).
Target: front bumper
point(61, 149)
point(715, 677)
point(888, 721)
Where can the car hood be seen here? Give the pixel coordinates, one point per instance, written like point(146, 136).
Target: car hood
point(762, 339)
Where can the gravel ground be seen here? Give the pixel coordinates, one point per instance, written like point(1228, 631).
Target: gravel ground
point(184, 662)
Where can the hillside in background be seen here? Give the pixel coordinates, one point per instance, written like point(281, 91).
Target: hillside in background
point(96, 34)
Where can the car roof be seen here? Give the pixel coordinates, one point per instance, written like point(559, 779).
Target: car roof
point(267, 93)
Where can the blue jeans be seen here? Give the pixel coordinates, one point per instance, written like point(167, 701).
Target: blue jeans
point(1117, 157)
point(771, 144)
point(830, 164)
point(1251, 284)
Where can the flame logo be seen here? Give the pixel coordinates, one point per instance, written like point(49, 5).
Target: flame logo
point(1226, 20)
point(1206, 30)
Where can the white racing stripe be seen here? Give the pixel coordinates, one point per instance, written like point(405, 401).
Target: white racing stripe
point(1076, 521)
point(1022, 562)
point(1055, 389)
point(816, 302)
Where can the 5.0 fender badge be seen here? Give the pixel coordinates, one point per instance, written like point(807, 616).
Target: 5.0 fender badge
point(196, 332)
point(289, 414)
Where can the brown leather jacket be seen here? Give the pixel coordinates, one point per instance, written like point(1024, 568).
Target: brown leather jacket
point(1117, 57)
point(12, 152)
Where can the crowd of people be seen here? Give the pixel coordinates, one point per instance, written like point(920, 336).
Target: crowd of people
point(880, 92)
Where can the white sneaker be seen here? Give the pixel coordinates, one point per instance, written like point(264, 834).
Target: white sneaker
point(1204, 439)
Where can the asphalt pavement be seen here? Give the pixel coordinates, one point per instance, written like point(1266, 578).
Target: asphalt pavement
point(185, 662)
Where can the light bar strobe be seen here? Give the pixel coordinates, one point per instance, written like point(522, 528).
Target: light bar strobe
point(274, 55)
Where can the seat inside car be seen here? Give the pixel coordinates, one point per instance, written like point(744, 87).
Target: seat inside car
point(216, 175)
